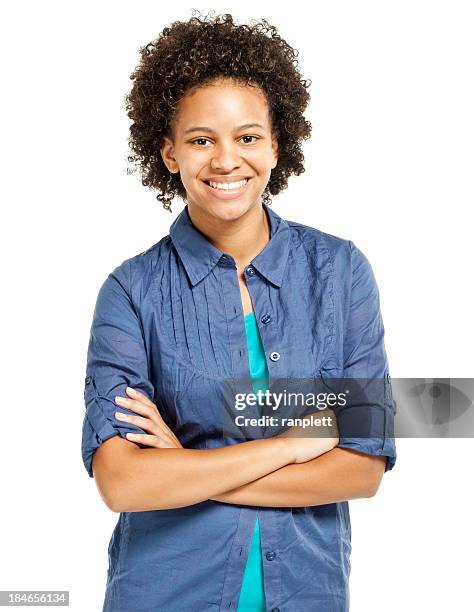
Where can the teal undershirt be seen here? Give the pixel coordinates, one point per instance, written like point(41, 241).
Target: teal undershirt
point(252, 594)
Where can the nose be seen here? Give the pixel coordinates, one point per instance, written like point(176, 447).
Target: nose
point(225, 157)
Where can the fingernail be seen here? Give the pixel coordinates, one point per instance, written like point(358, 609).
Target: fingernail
point(121, 400)
point(120, 415)
point(130, 390)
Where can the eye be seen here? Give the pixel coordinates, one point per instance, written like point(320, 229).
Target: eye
point(248, 136)
point(204, 140)
point(198, 139)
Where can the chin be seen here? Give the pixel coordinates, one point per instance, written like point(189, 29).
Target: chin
point(225, 210)
point(229, 211)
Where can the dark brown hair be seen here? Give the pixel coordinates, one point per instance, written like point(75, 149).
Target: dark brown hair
point(195, 53)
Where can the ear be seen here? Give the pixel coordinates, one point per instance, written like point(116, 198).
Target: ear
point(274, 151)
point(167, 154)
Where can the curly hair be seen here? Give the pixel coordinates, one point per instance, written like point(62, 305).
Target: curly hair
point(192, 54)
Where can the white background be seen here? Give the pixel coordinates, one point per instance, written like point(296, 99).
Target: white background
point(389, 166)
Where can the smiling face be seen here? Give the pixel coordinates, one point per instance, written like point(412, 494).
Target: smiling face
point(222, 146)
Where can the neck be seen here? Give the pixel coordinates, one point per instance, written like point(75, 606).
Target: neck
point(243, 238)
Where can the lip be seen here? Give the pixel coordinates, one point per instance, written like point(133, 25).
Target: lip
point(227, 179)
point(229, 194)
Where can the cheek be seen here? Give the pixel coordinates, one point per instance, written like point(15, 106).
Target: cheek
point(189, 171)
point(191, 161)
point(262, 161)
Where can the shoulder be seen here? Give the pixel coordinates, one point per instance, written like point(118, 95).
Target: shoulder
point(337, 255)
point(135, 273)
point(313, 235)
point(337, 251)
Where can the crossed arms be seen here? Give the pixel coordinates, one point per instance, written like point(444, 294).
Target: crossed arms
point(259, 472)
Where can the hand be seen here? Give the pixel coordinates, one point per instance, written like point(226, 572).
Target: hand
point(160, 435)
point(308, 442)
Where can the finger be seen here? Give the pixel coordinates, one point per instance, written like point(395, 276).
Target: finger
point(137, 406)
point(165, 434)
point(136, 394)
point(141, 422)
point(142, 406)
point(149, 440)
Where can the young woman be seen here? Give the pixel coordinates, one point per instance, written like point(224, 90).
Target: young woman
point(211, 522)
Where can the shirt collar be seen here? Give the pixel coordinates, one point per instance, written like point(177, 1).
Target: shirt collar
point(199, 256)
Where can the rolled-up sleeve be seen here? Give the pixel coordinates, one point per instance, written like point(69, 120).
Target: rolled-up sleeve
point(116, 358)
point(365, 359)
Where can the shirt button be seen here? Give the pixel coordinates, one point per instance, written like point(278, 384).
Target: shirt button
point(266, 318)
point(275, 356)
point(270, 555)
point(250, 270)
point(88, 379)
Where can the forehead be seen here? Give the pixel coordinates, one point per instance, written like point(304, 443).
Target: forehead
point(223, 103)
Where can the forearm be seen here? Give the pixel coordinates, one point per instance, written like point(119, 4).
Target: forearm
point(173, 478)
point(338, 475)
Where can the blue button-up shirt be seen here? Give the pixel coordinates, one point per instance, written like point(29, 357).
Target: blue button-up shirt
point(169, 322)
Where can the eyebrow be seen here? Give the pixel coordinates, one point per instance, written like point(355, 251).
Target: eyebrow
point(203, 128)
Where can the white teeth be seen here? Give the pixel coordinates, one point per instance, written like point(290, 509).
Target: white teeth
point(227, 186)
